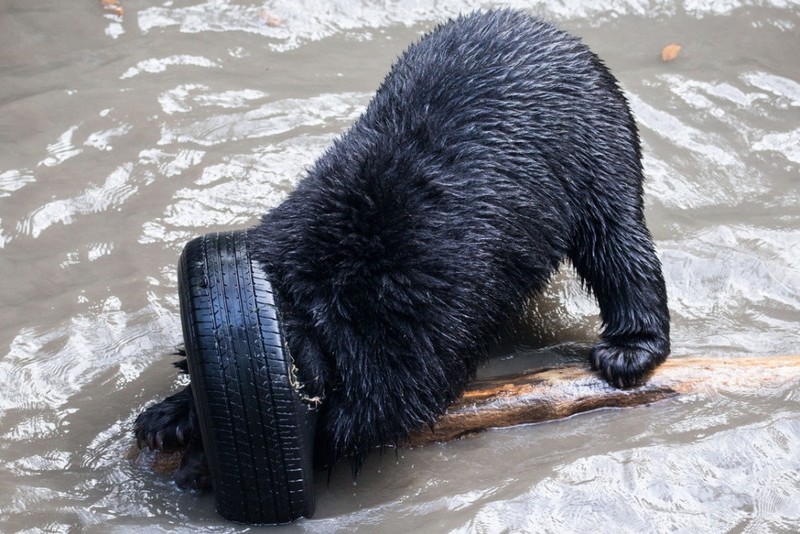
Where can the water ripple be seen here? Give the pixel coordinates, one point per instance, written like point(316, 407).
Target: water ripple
point(268, 120)
point(746, 476)
point(725, 272)
point(155, 65)
point(297, 21)
point(62, 150)
point(234, 192)
point(101, 140)
point(786, 89)
point(785, 143)
point(43, 369)
point(114, 192)
point(14, 180)
point(184, 98)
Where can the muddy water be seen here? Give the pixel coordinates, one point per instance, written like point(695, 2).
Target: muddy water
point(121, 138)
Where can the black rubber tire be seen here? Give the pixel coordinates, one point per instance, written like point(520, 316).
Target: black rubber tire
point(257, 431)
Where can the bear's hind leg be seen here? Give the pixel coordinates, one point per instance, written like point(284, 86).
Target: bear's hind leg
point(615, 256)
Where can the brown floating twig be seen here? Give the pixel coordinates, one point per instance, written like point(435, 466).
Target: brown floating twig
point(113, 7)
point(670, 52)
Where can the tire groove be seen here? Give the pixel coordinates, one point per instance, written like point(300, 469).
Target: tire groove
point(215, 255)
point(254, 350)
point(271, 385)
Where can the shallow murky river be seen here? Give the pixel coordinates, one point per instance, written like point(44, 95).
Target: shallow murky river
point(122, 137)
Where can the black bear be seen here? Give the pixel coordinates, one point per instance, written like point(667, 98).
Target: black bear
point(496, 147)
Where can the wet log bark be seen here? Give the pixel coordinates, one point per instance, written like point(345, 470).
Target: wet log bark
point(554, 393)
point(548, 394)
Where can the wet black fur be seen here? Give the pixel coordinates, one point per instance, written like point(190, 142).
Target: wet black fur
point(496, 147)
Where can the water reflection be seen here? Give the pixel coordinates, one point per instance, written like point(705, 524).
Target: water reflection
point(740, 477)
point(272, 119)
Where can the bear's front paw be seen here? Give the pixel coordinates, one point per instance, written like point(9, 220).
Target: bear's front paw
point(626, 362)
point(167, 426)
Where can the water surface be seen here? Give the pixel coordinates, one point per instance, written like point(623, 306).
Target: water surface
point(123, 137)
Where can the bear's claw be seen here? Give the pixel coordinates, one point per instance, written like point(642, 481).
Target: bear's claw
point(167, 426)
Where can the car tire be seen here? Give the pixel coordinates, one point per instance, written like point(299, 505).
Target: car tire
point(257, 430)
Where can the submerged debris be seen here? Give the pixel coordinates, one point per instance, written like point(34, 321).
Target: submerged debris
point(270, 18)
point(113, 7)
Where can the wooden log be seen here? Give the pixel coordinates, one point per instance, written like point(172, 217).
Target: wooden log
point(547, 394)
point(554, 393)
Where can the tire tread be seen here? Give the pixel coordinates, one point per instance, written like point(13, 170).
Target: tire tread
point(256, 430)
